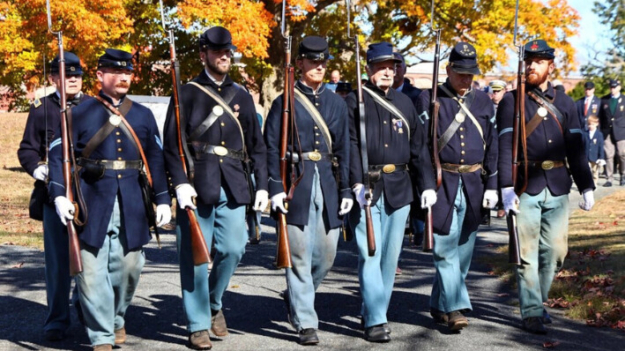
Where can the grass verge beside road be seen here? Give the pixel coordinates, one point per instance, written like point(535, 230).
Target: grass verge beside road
point(16, 228)
point(591, 285)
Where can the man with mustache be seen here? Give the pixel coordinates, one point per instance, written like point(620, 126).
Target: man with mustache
point(315, 213)
point(396, 151)
point(467, 146)
point(43, 121)
point(111, 153)
point(540, 199)
point(219, 123)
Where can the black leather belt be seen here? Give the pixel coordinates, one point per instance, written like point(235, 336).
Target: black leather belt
point(116, 165)
point(389, 168)
point(545, 165)
point(454, 168)
point(315, 156)
point(218, 150)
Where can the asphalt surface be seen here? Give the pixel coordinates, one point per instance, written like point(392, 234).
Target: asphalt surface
point(256, 314)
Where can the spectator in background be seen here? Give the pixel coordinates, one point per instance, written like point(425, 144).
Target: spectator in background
point(612, 121)
point(588, 105)
point(593, 140)
point(335, 78)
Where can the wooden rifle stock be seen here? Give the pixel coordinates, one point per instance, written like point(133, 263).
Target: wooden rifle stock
point(199, 247)
point(428, 240)
point(370, 233)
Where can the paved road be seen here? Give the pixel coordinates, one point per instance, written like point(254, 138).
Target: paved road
point(256, 315)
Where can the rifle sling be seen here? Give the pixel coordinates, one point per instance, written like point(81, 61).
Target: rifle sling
point(460, 117)
point(225, 106)
point(389, 107)
point(316, 116)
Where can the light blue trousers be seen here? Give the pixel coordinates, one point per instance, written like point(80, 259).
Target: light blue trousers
point(201, 292)
point(312, 253)
point(58, 280)
point(543, 224)
point(108, 282)
point(377, 273)
point(452, 258)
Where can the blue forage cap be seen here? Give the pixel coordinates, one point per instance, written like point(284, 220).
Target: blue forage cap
point(539, 48)
point(216, 38)
point(463, 59)
point(314, 48)
point(114, 58)
point(72, 64)
point(343, 86)
point(380, 52)
point(614, 83)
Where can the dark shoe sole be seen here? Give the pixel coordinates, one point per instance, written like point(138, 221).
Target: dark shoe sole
point(458, 325)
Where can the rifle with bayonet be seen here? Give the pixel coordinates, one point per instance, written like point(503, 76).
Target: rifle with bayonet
point(200, 250)
point(283, 254)
point(514, 255)
point(428, 240)
point(366, 179)
point(69, 178)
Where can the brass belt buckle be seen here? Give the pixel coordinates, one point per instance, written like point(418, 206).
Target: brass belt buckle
point(117, 165)
point(464, 169)
point(388, 168)
point(220, 151)
point(547, 165)
point(314, 156)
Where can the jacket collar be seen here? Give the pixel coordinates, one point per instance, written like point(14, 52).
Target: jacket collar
point(203, 79)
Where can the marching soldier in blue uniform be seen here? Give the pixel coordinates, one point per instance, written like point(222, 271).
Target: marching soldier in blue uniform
point(612, 123)
point(396, 146)
point(110, 158)
point(314, 216)
point(43, 121)
point(467, 144)
point(588, 105)
point(553, 135)
point(219, 122)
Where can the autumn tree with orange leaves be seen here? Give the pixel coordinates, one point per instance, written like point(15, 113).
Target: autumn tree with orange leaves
point(89, 27)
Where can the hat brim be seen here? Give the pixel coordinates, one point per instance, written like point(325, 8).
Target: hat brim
point(384, 58)
point(466, 70)
point(315, 57)
point(220, 47)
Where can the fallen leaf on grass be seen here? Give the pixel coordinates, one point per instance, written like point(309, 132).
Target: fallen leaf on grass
point(19, 265)
point(550, 344)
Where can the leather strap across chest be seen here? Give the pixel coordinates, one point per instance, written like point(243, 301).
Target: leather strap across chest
point(389, 107)
point(316, 116)
point(459, 119)
point(549, 107)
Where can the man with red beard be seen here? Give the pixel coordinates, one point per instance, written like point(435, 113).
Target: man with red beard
point(540, 198)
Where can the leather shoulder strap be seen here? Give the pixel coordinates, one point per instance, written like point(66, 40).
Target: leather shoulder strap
point(389, 107)
point(317, 118)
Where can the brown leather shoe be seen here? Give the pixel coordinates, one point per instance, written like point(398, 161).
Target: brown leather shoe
point(218, 324)
point(440, 317)
point(120, 336)
point(199, 341)
point(457, 320)
point(103, 347)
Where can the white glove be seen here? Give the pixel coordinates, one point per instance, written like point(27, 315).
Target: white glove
point(41, 173)
point(490, 199)
point(600, 163)
point(359, 191)
point(510, 200)
point(261, 201)
point(428, 198)
point(588, 201)
point(346, 206)
point(163, 215)
point(185, 194)
point(277, 203)
point(64, 209)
